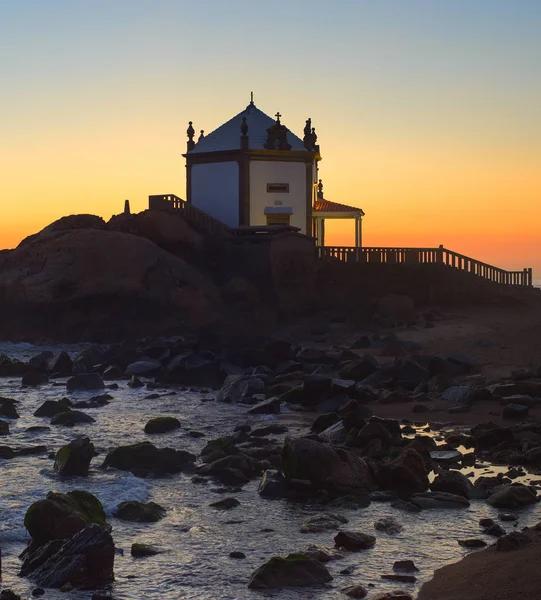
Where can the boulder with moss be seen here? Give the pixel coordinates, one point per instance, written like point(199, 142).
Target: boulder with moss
point(139, 512)
point(75, 457)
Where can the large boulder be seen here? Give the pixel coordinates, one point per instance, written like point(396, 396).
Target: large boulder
point(144, 459)
point(294, 570)
point(162, 425)
point(335, 470)
point(191, 369)
point(139, 512)
point(452, 482)
point(60, 516)
point(85, 381)
point(406, 475)
point(87, 283)
point(84, 561)
point(354, 540)
point(75, 457)
point(512, 495)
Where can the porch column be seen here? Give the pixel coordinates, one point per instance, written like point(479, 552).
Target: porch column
point(358, 237)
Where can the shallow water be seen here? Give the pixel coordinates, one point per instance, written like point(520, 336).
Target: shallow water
point(195, 539)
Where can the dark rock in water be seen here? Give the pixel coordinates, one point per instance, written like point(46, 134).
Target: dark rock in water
point(427, 500)
point(486, 523)
point(135, 382)
point(38, 592)
point(139, 512)
point(74, 459)
point(52, 407)
point(360, 369)
point(272, 485)
point(143, 367)
point(461, 394)
point(512, 495)
point(270, 407)
point(324, 421)
point(61, 516)
point(410, 374)
point(235, 469)
point(405, 475)
point(85, 561)
point(273, 428)
point(6, 452)
point(489, 435)
point(139, 550)
point(144, 458)
point(162, 425)
point(388, 525)
point(69, 418)
point(60, 363)
point(85, 382)
point(34, 378)
point(507, 517)
point(335, 470)
point(238, 387)
point(295, 570)
point(4, 428)
point(237, 554)
point(472, 543)
point(322, 522)
point(452, 482)
point(400, 577)
point(7, 408)
point(225, 504)
point(218, 448)
point(111, 373)
point(515, 411)
point(404, 565)
point(495, 530)
point(355, 591)
point(513, 541)
point(30, 450)
point(354, 540)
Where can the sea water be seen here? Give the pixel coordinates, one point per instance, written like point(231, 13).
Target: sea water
point(196, 540)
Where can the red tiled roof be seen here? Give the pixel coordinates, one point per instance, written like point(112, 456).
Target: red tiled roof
point(328, 206)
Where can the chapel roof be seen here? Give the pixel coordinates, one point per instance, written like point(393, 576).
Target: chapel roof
point(322, 205)
point(227, 136)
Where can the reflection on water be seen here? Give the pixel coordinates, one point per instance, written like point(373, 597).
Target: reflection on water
point(196, 541)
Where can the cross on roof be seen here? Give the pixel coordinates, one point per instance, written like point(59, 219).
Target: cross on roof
point(278, 115)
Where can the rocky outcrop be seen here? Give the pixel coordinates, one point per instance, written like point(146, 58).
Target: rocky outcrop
point(406, 475)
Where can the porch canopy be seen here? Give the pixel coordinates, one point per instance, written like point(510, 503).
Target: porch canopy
point(325, 209)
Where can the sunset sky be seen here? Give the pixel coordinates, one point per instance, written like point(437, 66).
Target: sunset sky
point(428, 112)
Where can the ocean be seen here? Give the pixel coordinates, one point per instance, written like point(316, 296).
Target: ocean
point(196, 540)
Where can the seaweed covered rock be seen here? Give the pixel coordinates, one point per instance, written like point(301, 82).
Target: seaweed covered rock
point(294, 570)
point(139, 512)
point(61, 516)
point(162, 425)
point(75, 457)
point(144, 459)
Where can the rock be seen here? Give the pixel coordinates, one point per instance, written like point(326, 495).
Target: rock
point(135, 382)
point(354, 540)
point(60, 364)
point(515, 411)
point(219, 448)
point(489, 435)
point(360, 369)
point(272, 485)
point(237, 554)
point(355, 591)
point(405, 475)
point(404, 565)
point(472, 543)
point(428, 500)
point(513, 541)
point(61, 516)
point(507, 517)
point(193, 370)
point(140, 550)
point(33, 379)
point(9, 595)
point(237, 387)
point(400, 577)
point(514, 495)
point(69, 418)
point(144, 458)
point(7, 408)
point(270, 407)
point(50, 408)
point(75, 457)
point(452, 482)
point(335, 470)
point(223, 467)
point(4, 428)
point(85, 561)
point(111, 373)
point(321, 553)
point(388, 525)
point(460, 394)
point(6, 452)
point(495, 530)
point(225, 504)
point(143, 367)
point(139, 512)
point(295, 570)
point(394, 595)
point(85, 382)
point(162, 425)
point(322, 522)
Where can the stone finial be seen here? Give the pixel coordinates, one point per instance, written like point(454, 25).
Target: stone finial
point(310, 137)
point(190, 132)
point(320, 190)
point(201, 135)
point(127, 210)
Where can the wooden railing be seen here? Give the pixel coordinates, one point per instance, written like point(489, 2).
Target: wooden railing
point(439, 255)
point(192, 215)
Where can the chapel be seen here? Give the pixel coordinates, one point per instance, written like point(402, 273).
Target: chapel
point(254, 171)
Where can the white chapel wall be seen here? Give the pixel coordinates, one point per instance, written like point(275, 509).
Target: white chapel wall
point(215, 190)
point(291, 173)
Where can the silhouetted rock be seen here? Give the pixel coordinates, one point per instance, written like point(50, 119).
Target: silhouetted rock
point(294, 570)
point(85, 381)
point(354, 540)
point(139, 512)
point(162, 425)
point(75, 457)
point(145, 458)
point(7, 408)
